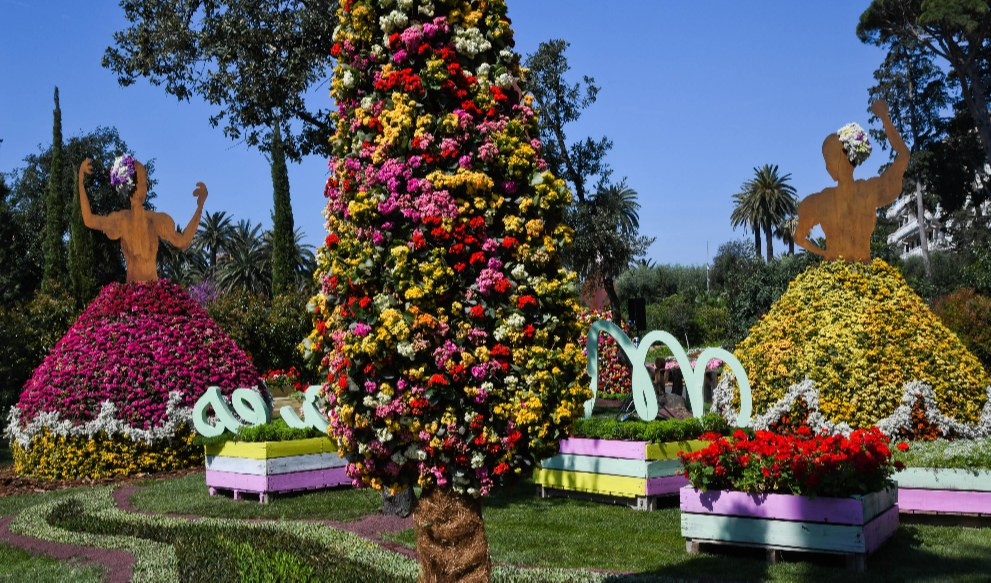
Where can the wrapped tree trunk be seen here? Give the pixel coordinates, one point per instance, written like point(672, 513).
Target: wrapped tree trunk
point(450, 538)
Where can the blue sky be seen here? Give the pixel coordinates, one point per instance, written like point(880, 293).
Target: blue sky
point(694, 95)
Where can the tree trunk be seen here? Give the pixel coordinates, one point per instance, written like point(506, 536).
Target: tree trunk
point(791, 245)
point(617, 311)
point(923, 229)
point(450, 539)
point(757, 241)
point(770, 242)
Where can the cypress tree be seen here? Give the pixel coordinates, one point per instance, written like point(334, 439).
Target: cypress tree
point(82, 283)
point(52, 246)
point(283, 240)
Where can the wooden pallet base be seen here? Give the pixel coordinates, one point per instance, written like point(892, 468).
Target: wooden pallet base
point(636, 502)
point(263, 497)
point(856, 562)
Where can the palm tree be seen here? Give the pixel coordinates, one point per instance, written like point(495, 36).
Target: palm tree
point(767, 199)
point(744, 215)
point(214, 235)
point(620, 200)
point(785, 230)
point(247, 264)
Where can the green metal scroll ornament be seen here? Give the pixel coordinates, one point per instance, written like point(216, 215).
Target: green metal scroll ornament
point(312, 417)
point(643, 389)
point(248, 404)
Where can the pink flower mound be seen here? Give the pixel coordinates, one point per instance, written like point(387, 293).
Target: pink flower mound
point(136, 343)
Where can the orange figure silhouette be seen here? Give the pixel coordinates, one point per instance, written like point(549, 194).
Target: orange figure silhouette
point(847, 212)
point(138, 229)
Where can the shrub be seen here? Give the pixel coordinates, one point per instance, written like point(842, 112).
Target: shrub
point(659, 431)
point(27, 333)
point(269, 331)
point(969, 315)
point(860, 333)
point(276, 430)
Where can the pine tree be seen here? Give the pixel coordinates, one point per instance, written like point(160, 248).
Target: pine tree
point(82, 282)
point(55, 207)
point(448, 329)
point(283, 242)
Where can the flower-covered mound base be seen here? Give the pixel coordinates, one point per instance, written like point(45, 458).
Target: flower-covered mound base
point(66, 457)
point(860, 333)
point(130, 368)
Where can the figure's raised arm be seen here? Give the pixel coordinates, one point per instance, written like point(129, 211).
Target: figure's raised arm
point(185, 238)
point(107, 225)
point(891, 180)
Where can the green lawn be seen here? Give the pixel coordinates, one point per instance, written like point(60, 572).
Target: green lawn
point(522, 531)
point(20, 566)
point(189, 495)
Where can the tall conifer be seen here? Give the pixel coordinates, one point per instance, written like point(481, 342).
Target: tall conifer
point(53, 247)
point(283, 242)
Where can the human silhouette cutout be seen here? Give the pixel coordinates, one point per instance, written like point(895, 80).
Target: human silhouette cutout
point(847, 212)
point(139, 230)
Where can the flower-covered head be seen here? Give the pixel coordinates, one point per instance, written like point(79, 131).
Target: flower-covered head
point(448, 329)
point(856, 144)
point(122, 173)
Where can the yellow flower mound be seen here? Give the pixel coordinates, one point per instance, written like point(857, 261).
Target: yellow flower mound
point(860, 333)
point(58, 457)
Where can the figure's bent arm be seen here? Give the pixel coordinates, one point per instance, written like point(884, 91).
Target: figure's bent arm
point(98, 222)
point(890, 182)
point(185, 238)
point(807, 220)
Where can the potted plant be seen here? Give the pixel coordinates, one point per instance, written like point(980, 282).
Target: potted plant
point(626, 461)
point(270, 458)
point(804, 491)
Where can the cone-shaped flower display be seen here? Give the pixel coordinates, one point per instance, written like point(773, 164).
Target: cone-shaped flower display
point(134, 360)
point(449, 329)
point(860, 333)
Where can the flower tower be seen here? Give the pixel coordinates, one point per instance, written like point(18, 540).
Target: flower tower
point(448, 329)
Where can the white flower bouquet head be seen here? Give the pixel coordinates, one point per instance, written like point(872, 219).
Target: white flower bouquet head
point(855, 142)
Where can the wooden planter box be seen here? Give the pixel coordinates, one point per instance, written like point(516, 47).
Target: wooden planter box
point(268, 467)
point(854, 526)
point(944, 491)
point(615, 470)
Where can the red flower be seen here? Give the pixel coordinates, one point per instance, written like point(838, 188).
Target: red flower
point(525, 301)
point(903, 446)
point(477, 311)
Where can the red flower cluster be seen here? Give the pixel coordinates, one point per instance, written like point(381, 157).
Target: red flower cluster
point(283, 381)
point(802, 463)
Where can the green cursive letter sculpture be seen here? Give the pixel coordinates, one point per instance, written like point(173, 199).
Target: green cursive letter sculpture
point(643, 389)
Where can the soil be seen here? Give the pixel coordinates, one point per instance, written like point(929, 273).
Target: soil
point(12, 484)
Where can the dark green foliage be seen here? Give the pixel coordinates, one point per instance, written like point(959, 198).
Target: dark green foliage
point(653, 431)
point(254, 61)
point(561, 103)
point(275, 430)
point(954, 31)
point(229, 552)
point(949, 273)
point(27, 333)
point(56, 198)
point(752, 286)
point(969, 315)
point(20, 276)
point(82, 284)
point(268, 330)
point(283, 244)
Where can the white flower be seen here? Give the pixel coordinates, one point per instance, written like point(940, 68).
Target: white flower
point(405, 4)
point(504, 81)
point(426, 9)
point(516, 321)
point(483, 70)
point(393, 21)
point(406, 349)
point(347, 79)
point(470, 42)
point(477, 459)
point(519, 272)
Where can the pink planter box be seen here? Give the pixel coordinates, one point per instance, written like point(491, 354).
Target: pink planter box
point(944, 491)
point(854, 526)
